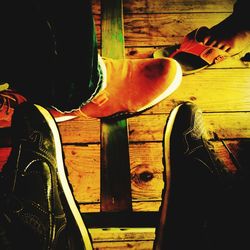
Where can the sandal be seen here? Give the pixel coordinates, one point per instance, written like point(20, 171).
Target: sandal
point(192, 55)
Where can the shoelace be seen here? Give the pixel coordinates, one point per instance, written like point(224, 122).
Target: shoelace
point(219, 167)
point(5, 100)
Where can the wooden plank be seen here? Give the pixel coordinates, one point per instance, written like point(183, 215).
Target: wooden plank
point(122, 238)
point(138, 245)
point(137, 206)
point(119, 234)
point(165, 29)
point(149, 127)
point(152, 30)
point(115, 177)
point(228, 125)
point(213, 90)
point(146, 174)
point(169, 6)
point(80, 130)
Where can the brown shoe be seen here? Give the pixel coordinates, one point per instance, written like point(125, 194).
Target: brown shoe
point(134, 86)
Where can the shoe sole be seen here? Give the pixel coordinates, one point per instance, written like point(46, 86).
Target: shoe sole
point(167, 176)
point(64, 180)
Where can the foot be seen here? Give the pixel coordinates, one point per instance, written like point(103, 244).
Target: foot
point(134, 86)
point(229, 35)
point(193, 175)
point(37, 208)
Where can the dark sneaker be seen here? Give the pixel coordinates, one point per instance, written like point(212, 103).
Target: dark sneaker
point(193, 175)
point(38, 210)
point(9, 99)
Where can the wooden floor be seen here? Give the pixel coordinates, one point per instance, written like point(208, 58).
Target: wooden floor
point(221, 91)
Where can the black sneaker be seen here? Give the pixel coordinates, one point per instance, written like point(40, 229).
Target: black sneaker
point(193, 174)
point(38, 210)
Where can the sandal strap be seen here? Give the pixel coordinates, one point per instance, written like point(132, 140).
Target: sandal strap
point(190, 45)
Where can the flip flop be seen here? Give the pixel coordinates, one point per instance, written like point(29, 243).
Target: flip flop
point(192, 54)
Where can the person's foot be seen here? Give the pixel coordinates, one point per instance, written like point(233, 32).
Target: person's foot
point(9, 99)
point(193, 176)
point(37, 207)
point(229, 35)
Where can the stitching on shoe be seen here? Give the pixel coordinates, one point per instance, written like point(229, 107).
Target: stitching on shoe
point(101, 98)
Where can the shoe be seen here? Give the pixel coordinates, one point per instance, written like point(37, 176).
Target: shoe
point(194, 56)
point(9, 99)
point(38, 210)
point(129, 88)
point(193, 176)
point(133, 86)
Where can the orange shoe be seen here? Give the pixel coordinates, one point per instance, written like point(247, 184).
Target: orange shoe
point(9, 99)
point(134, 86)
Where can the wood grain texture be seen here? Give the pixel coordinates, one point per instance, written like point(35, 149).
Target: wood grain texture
point(172, 6)
point(115, 177)
point(149, 128)
point(146, 173)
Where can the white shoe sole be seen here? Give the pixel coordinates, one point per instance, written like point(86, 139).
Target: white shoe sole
point(63, 179)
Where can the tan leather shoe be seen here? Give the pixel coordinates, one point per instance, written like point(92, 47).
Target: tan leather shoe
point(134, 86)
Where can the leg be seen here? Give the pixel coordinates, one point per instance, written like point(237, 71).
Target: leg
point(55, 63)
point(50, 51)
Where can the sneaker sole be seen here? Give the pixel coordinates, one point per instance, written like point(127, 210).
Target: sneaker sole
point(63, 179)
point(167, 177)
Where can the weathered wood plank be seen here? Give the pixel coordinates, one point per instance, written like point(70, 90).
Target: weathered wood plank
point(118, 234)
point(151, 30)
point(115, 186)
point(165, 29)
point(80, 130)
point(213, 90)
point(138, 206)
point(223, 125)
point(122, 238)
point(136, 245)
point(168, 6)
point(83, 165)
point(150, 127)
point(146, 174)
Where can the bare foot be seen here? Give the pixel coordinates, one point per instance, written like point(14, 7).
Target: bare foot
point(229, 35)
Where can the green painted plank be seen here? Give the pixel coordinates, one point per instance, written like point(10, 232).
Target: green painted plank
point(115, 166)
